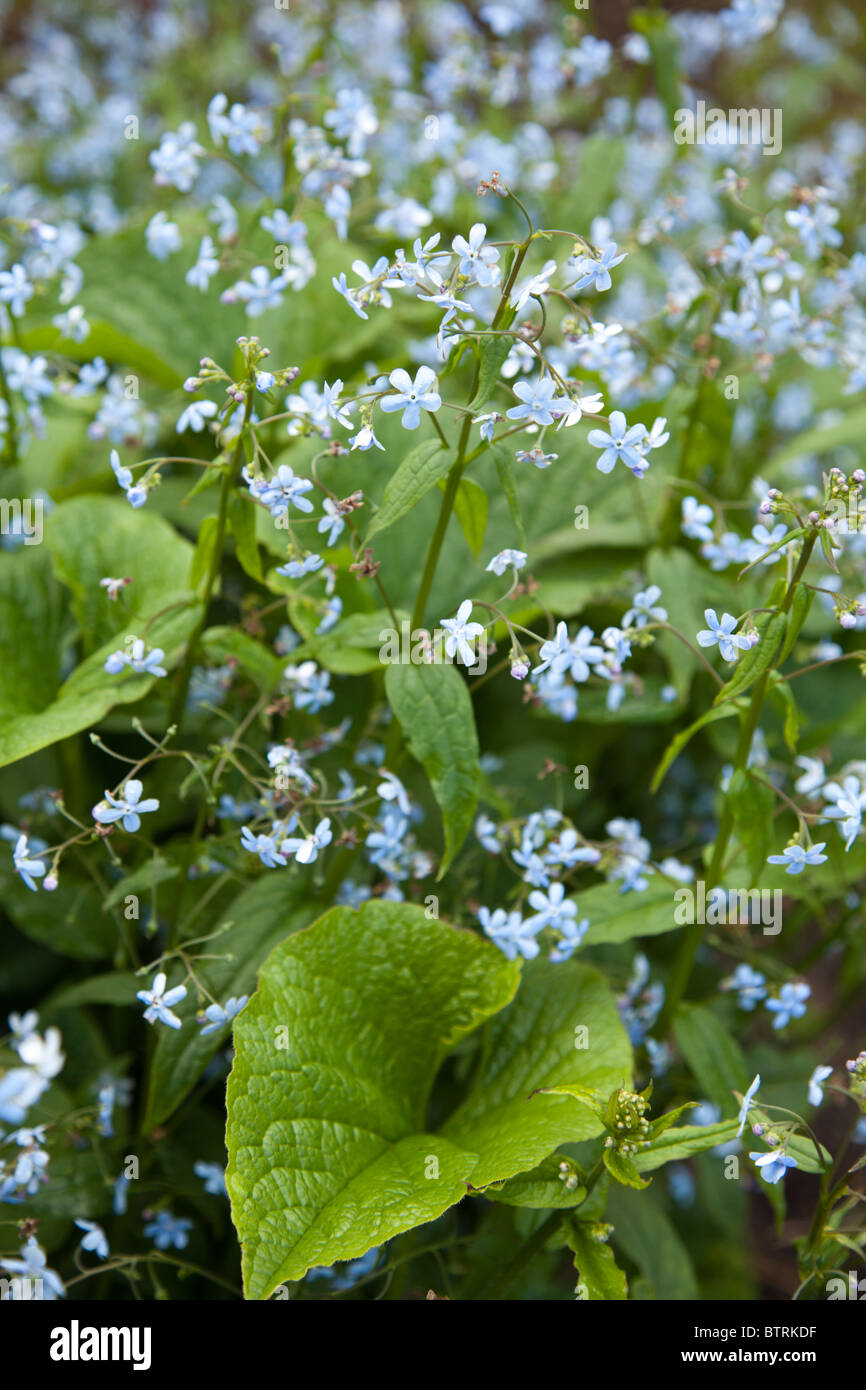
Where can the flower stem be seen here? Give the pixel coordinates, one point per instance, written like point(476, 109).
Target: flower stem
point(684, 961)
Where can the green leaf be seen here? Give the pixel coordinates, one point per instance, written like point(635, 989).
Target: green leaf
point(771, 629)
point(664, 53)
point(684, 1142)
point(420, 470)
point(328, 1150)
point(508, 482)
point(821, 440)
point(434, 708)
point(254, 658)
point(70, 921)
point(533, 1044)
point(712, 1055)
point(752, 804)
point(783, 698)
point(681, 580)
point(492, 352)
point(89, 537)
point(678, 743)
point(242, 518)
point(617, 916)
point(260, 917)
point(597, 1271)
point(649, 1238)
point(470, 504)
point(119, 987)
point(777, 545)
point(622, 1169)
point(542, 1187)
point(201, 560)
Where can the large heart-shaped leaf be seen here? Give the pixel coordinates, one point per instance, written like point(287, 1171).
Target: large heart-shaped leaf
point(329, 1150)
point(336, 1056)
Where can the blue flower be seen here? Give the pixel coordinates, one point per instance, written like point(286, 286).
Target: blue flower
point(26, 867)
point(167, 1230)
point(791, 1003)
point(553, 909)
point(213, 1177)
point(508, 558)
point(750, 985)
point(95, 1238)
point(618, 443)
point(332, 521)
point(795, 857)
point(265, 846)
point(127, 807)
point(412, 396)
point(538, 401)
point(816, 1084)
point(159, 1003)
point(596, 272)
point(462, 634)
point(42, 1283)
point(747, 1105)
point(283, 491)
point(723, 633)
point(134, 657)
point(773, 1166)
point(510, 933)
point(220, 1014)
point(306, 850)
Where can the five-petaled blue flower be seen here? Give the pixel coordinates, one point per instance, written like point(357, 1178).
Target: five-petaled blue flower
point(723, 633)
point(159, 1002)
point(795, 857)
point(412, 396)
point(618, 442)
point(773, 1166)
point(791, 1003)
point(127, 807)
point(167, 1230)
point(220, 1014)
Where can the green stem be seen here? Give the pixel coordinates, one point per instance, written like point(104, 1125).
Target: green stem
point(456, 472)
point(684, 961)
point(228, 481)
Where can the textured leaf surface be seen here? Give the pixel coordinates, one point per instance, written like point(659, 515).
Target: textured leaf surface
point(434, 708)
point(326, 1136)
point(532, 1044)
point(420, 470)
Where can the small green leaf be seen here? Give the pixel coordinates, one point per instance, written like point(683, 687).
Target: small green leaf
point(470, 504)
point(758, 659)
point(623, 1170)
point(416, 475)
point(678, 743)
point(711, 1053)
point(542, 1187)
point(434, 708)
point(508, 482)
point(492, 352)
point(752, 804)
point(599, 1278)
point(242, 518)
point(203, 554)
point(684, 1142)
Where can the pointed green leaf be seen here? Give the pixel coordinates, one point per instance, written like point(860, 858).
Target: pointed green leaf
point(327, 1100)
point(434, 708)
point(420, 470)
